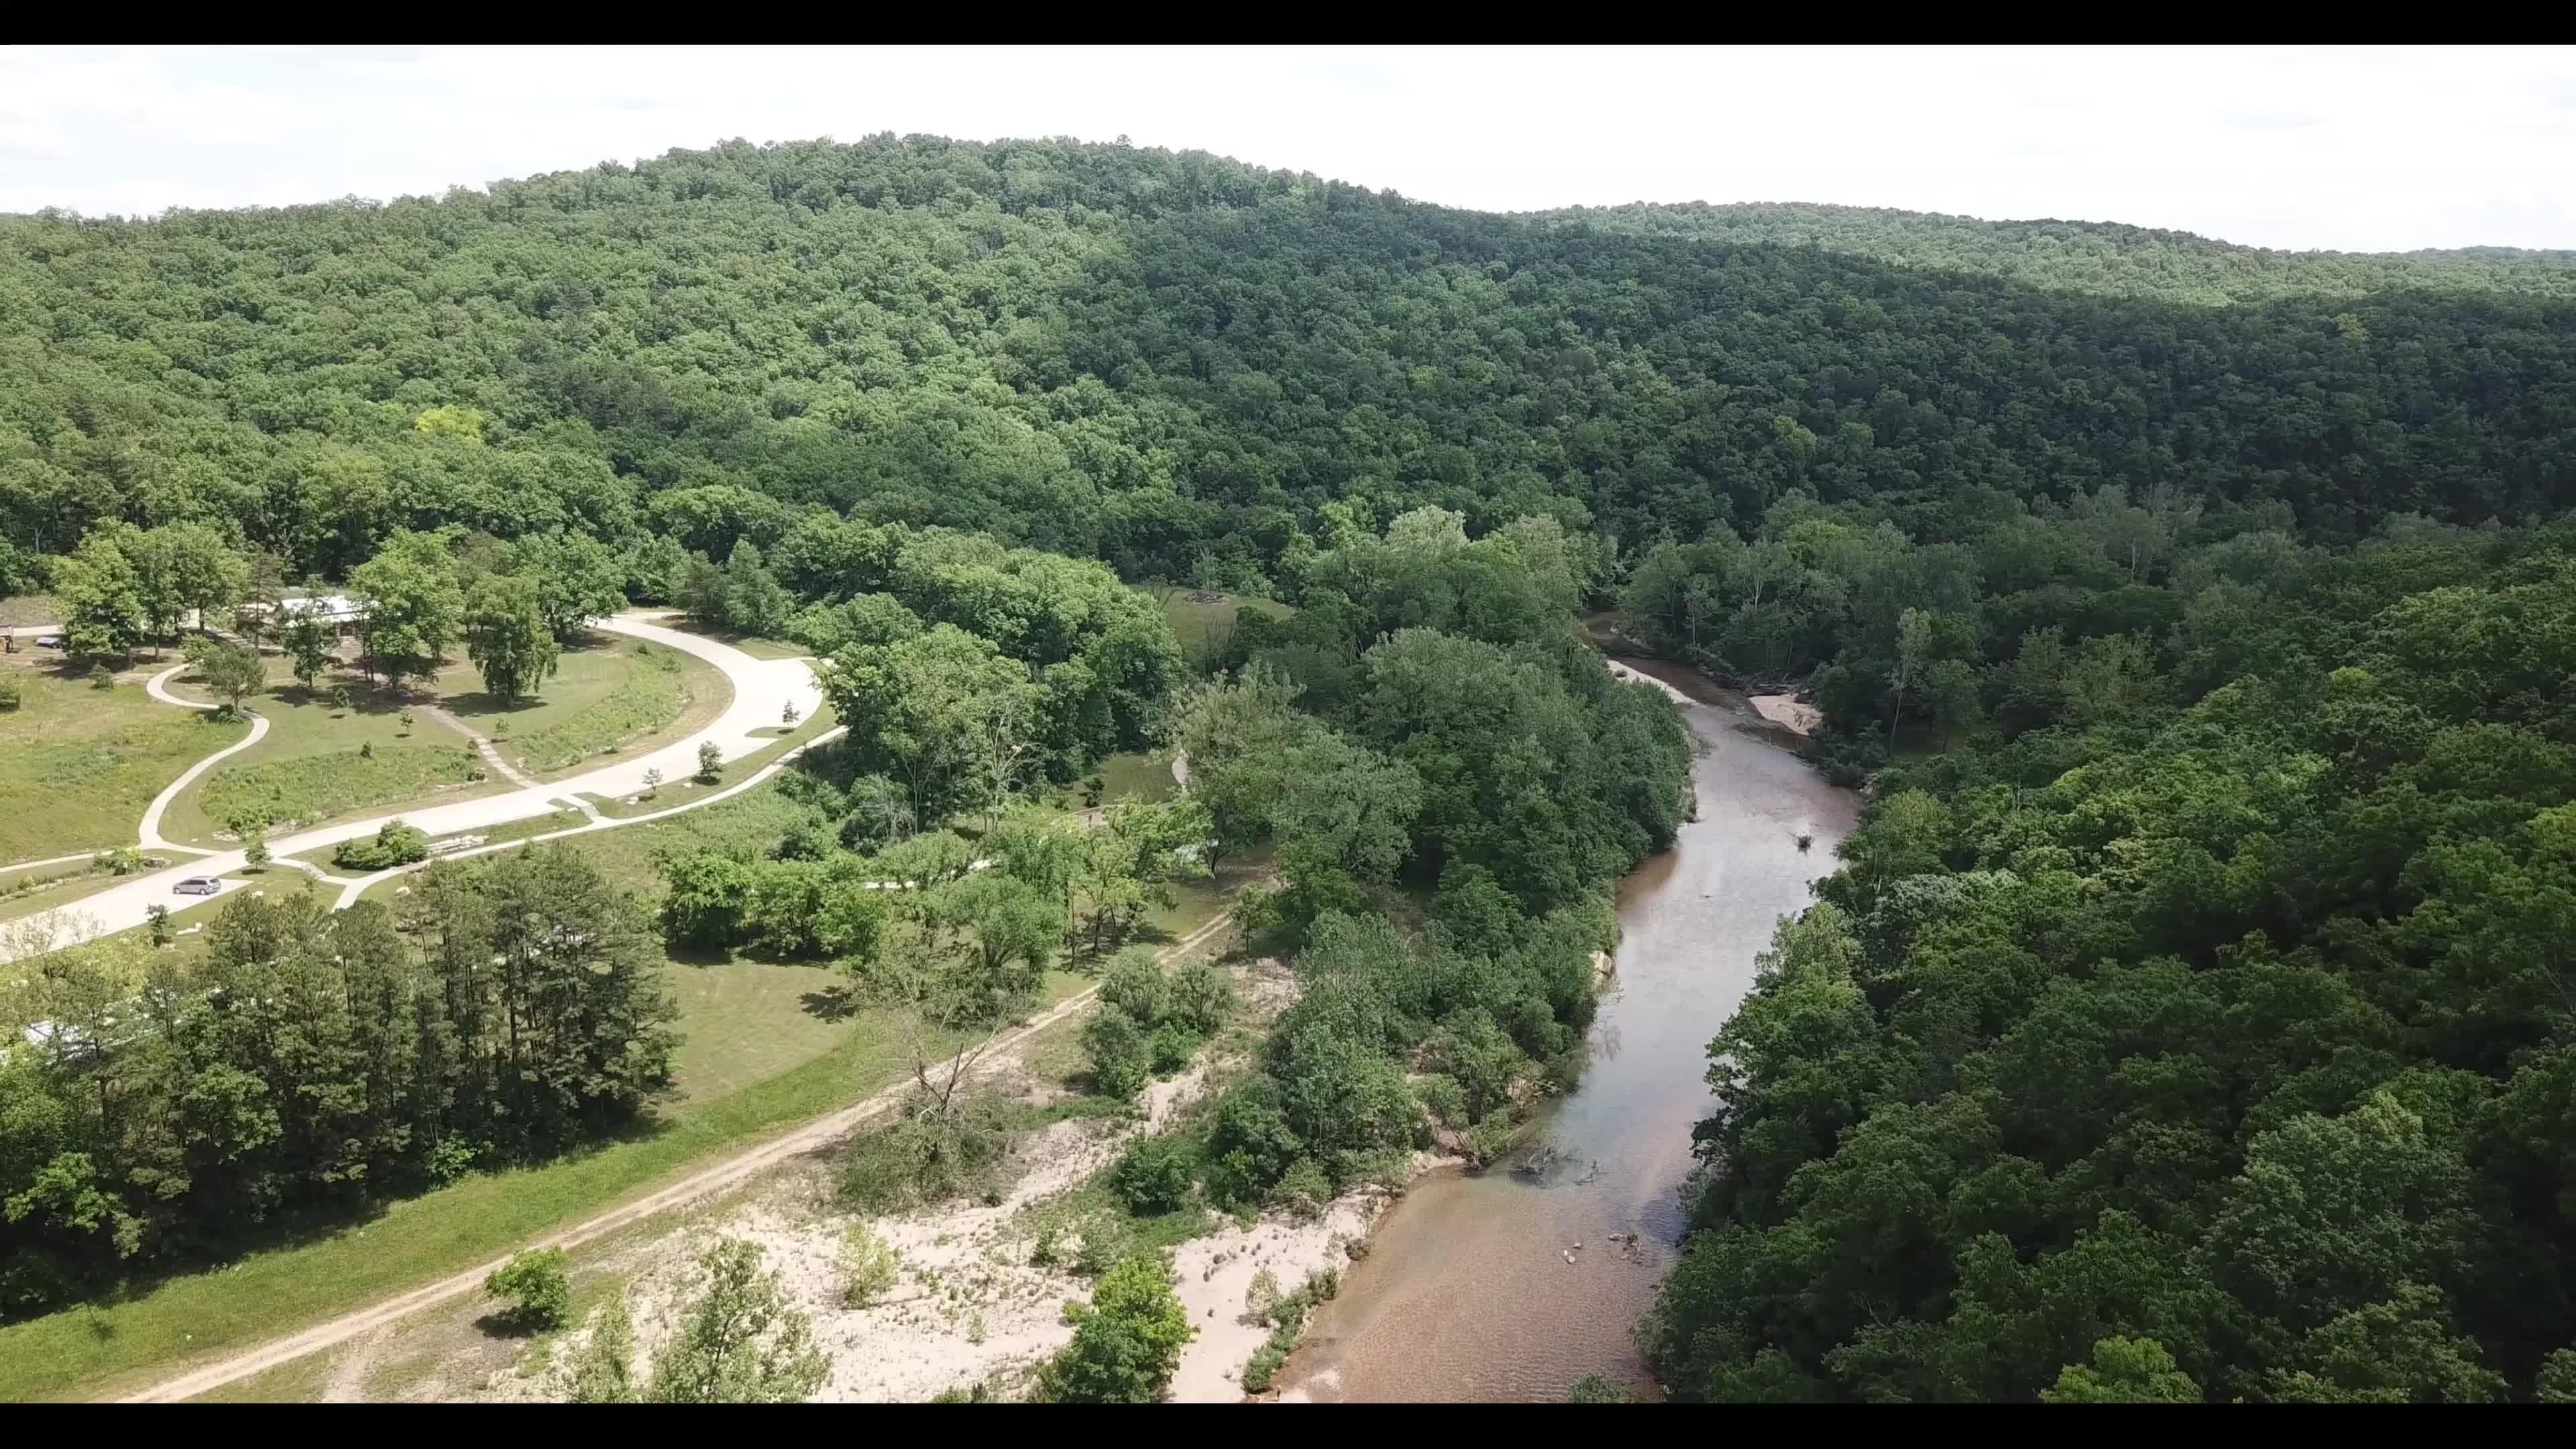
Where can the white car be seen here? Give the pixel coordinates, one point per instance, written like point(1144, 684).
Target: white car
point(198, 885)
point(49, 641)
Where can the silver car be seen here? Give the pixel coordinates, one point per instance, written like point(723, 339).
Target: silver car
point(198, 885)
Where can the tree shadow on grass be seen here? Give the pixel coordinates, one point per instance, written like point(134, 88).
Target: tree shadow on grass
point(690, 953)
point(831, 1003)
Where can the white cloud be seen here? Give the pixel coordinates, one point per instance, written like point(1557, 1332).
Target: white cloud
point(2353, 148)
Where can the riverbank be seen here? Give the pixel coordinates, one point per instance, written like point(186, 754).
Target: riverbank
point(1473, 1287)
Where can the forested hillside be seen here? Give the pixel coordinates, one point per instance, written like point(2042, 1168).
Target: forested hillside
point(2191, 1016)
point(1175, 362)
point(2103, 257)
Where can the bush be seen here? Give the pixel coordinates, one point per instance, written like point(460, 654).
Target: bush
point(1199, 997)
point(866, 1266)
point(710, 763)
point(1261, 1300)
point(397, 843)
point(929, 1154)
point(1446, 1099)
point(1171, 1046)
point(1126, 1344)
point(1121, 1056)
point(1303, 1189)
point(1105, 1244)
point(1134, 983)
point(12, 693)
point(1490, 1139)
point(1153, 1175)
point(1600, 1389)
point(539, 1292)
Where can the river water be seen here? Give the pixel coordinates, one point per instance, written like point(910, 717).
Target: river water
point(1466, 1294)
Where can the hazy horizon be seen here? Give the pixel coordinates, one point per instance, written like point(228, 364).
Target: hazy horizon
point(2344, 149)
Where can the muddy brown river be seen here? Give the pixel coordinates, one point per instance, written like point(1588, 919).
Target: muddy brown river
point(1466, 1294)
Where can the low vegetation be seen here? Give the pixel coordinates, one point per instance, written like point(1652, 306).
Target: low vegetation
point(317, 789)
point(535, 1287)
point(78, 766)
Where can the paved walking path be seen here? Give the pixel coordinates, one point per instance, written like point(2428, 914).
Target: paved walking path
point(762, 688)
point(158, 687)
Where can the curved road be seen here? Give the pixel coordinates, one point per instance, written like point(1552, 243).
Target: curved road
point(761, 690)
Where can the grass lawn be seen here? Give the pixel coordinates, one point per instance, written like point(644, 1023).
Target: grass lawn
point(686, 788)
point(78, 765)
point(1202, 627)
point(320, 764)
point(30, 609)
point(608, 696)
point(95, 1351)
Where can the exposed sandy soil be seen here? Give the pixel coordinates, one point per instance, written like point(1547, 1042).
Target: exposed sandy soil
point(1787, 712)
point(968, 1305)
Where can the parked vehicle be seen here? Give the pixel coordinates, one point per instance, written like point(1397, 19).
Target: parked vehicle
point(49, 641)
point(198, 885)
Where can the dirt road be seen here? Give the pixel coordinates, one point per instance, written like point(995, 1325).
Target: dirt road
point(702, 1183)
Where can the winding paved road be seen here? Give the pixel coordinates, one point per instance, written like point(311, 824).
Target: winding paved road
point(762, 688)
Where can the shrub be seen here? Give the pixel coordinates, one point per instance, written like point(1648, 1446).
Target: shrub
point(1599, 1389)
point(1127, 1343)
point(1446, 1099)
point(929, 1153)
point(1153, 1175)
point(12, 693)
point(1303, 1189)
point(866, 1266)
point(1199, 997)
point(1134, 983)
point(1120, 1054)
point(1261, 1300)
point(652, 783)
point(1105, 1242)
point(396, 843)
point(101, 678)
point(710, 762)
point(123, 860)
point(1171, 1046)
point(540, 1294)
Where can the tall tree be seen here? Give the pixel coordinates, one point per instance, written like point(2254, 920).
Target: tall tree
point(412, 602)
point(507, 636)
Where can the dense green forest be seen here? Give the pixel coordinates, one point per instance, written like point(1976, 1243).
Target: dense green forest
point(2190, 1017)
point(1180, 364)
point(2107, 258)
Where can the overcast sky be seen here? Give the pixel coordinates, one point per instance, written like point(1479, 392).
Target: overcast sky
point(2353, 149)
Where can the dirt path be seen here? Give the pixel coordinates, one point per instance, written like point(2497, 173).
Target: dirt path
point(689, 1189)
point(482, 746)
